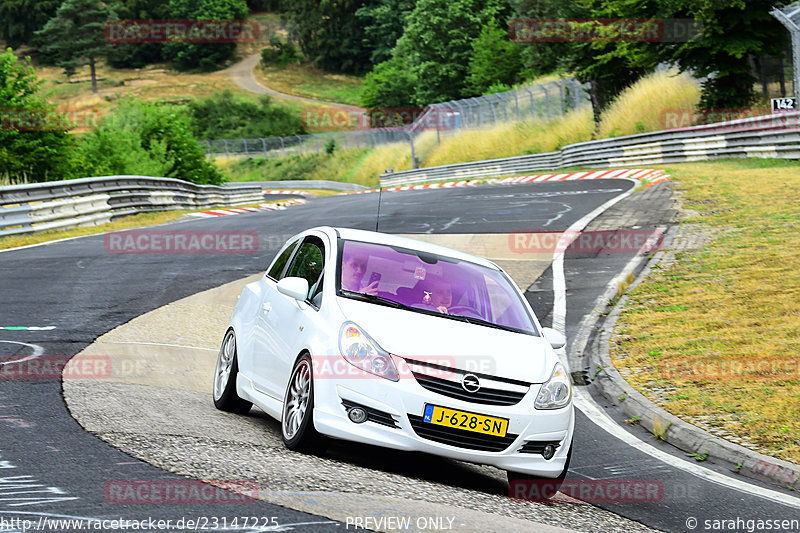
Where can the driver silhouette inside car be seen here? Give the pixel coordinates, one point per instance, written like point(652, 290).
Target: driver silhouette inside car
point(353, 272)
point(439, 294)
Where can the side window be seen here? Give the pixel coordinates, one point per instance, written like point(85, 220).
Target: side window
point(277, 267)
point(308, 264)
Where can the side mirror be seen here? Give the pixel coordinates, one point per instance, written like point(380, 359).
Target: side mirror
point(296, 288)
point(555, 338)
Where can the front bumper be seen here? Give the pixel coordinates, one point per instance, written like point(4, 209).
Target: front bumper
point(406, 399)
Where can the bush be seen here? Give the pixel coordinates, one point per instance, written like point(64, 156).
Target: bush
point(225, 116)
point(147, 139)
point(279, 53)
point(390, 84)
point(203, 56)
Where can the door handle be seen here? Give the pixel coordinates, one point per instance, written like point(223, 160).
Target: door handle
point(267, 307)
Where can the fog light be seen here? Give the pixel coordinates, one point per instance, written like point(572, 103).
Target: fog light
point(357, 415)
point(549, 451)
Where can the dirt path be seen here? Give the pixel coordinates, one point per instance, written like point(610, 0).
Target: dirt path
point(242, 74)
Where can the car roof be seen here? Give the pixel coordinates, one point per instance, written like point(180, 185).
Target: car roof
point(403, 242)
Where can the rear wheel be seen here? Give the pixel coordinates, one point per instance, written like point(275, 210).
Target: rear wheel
point(297, 420)
point(534, 488)
point(225, 396)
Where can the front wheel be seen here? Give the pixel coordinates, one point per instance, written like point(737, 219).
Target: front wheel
point(297, 420)
point(225, 397)
point(534, 488)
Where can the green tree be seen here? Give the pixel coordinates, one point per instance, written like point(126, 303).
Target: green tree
point(137, 55)
point(436, 45)
point(203, 56)
point(733, 32)
point(19, 19)
point(545, 57)
point(264, 5)
point(383, 22)
point(331, 35)
point(75, 36)
point(148, 139)
point(224, 116)
point(390, 84)
point(34, 143)
point(495, 61)
point(607, 65)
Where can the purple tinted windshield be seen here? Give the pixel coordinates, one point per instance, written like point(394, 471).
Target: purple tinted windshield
point(433, 283)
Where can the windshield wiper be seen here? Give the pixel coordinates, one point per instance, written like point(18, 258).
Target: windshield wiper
point(480, 322)
point(374, 298)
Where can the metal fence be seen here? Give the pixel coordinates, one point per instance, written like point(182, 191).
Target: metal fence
point(773, 136)
point(543, 102)
point(315, 143)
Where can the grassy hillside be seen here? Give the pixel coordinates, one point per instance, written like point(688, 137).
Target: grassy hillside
point(649, 100)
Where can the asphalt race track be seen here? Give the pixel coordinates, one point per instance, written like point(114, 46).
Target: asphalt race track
point(73, 291)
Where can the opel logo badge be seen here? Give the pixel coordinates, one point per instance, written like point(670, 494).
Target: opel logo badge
point(470, 383)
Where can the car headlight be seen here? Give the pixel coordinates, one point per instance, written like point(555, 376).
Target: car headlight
point(362, 352)
point(557, 391)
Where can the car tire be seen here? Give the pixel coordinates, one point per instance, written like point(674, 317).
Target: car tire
point(297, 418)
point(227, 369)
point(535, 488)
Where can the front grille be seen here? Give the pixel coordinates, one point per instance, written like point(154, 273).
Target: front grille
point(453, 389)
point(536, 446)
point(459, 437)
point(373, 415)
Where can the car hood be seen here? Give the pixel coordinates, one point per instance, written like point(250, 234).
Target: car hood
point(452, 343)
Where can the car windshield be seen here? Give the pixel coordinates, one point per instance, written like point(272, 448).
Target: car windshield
point(431, 284)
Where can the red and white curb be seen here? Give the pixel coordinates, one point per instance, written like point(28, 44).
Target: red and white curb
point(277, 191)
point(239, 210)
point(652, 175)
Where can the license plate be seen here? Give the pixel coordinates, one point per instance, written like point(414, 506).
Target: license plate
point(488, 425)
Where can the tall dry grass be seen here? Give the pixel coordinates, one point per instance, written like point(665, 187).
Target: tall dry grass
point(649, 104)
point(513, 138)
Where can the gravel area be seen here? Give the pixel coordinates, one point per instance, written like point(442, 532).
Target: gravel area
point(184, 434)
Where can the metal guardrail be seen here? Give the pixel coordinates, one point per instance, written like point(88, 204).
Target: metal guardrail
point(775, 136)
point(302, 184)
point(92, 201)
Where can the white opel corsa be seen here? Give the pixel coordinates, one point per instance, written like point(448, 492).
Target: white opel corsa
point(393, 342)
